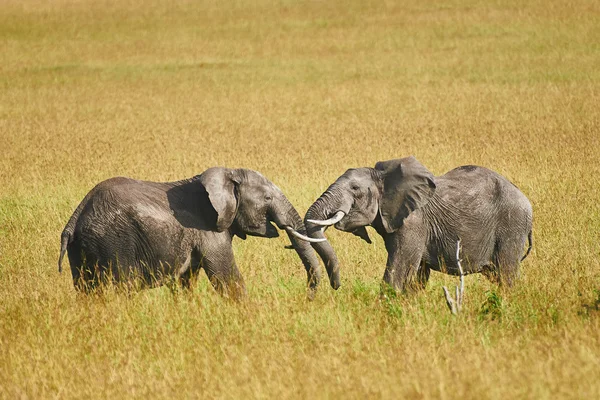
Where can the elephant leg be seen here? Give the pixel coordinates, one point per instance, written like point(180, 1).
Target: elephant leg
point(491, 272)
point(77, 273)
point(224, 275)
point(185, 280)
point(83, 280)
point(404, 276)
point(422, 276)
point(506, 262)
point(83, 269)
point(228, 283)
point(404, 260)
point(189, 270)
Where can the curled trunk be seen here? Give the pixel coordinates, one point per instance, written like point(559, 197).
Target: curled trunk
point(285, 215)
point(321, 211)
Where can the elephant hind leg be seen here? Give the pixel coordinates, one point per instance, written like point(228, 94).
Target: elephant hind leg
point(189, 270)
point(490, 271)
point(83, 269)
point(506, 262)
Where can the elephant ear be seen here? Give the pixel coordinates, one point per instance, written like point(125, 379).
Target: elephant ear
point(407, 186)
point(220, 184)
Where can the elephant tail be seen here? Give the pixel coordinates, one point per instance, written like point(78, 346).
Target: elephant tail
point(530, 239)
point(65, 238)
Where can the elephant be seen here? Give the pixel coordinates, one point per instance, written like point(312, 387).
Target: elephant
point(152, 233)
point(421, 218)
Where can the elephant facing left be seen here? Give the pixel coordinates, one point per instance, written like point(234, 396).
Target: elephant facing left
point(145, 233)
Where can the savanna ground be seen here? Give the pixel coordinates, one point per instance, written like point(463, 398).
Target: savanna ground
point(300, 91)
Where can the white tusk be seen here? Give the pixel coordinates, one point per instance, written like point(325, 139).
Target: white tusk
point(305, 238)
point(331, 221)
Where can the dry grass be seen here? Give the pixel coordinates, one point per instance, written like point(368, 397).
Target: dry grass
point(300, 91)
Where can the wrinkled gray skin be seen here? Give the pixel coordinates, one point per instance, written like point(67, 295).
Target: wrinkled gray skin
point(421, 218)
point(126, 228)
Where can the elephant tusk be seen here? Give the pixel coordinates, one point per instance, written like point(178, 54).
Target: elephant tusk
point(302, 237)
point(331, 221)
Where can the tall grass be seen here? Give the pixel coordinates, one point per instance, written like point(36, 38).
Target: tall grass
point(300, 91)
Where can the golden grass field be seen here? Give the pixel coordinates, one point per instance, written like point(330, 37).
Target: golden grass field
point(301, 91)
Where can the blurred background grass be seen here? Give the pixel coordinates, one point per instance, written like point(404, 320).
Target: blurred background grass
point(301, 91)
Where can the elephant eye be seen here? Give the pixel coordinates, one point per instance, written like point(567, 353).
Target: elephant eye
point(355, 187)
point(268, 197)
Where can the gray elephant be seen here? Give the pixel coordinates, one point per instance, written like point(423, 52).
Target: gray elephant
point(421, 218)
point(127, 230)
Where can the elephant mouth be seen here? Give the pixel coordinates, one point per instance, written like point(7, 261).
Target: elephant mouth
point(267, 231)
point(349, 223)
point(346, 226)
point(340, 226)
point(272, 231)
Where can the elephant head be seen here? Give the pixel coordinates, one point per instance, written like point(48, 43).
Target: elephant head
point(247, 203)
point(389, 192)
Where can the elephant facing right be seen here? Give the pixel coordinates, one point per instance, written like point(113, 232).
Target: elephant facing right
point(421, 217)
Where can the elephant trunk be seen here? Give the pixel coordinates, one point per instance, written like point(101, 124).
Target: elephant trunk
point(285, 216)
point(322, 209)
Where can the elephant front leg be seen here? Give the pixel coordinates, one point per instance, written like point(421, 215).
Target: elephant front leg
point(404, 272)
point(404, 277)
point(224, 274)
point(423, 275)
